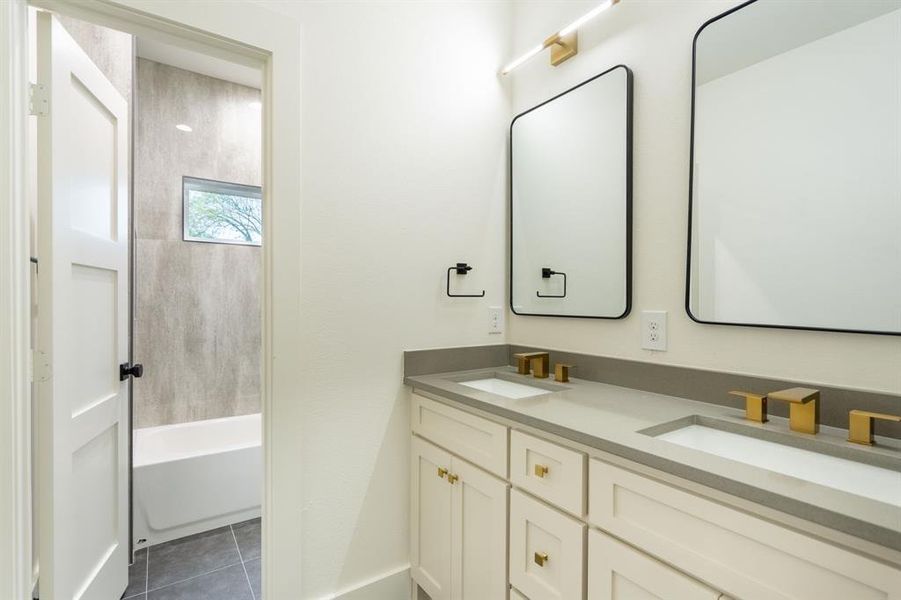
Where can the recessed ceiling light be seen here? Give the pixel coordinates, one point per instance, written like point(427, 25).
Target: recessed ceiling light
point(256, 105)
point(183, 127)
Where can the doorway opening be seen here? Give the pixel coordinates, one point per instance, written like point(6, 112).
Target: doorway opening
point(147, 214)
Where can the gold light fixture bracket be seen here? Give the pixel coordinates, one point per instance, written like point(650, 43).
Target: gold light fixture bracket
point(562, 47)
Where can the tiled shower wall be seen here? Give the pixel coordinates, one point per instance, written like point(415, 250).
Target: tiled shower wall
point(197, 326)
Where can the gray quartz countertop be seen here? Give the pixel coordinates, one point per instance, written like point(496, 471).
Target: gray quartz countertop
point(611, 419)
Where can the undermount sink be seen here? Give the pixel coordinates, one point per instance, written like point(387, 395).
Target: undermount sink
point(507, 389)
point(870, 481)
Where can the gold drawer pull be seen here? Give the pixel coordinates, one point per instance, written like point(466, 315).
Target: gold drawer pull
point(541, 558)
point(453, 478)
point(442, 472)
point(541, 470)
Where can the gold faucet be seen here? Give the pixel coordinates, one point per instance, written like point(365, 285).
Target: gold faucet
point(804, 408)
point(538, 362)
point(860, 425)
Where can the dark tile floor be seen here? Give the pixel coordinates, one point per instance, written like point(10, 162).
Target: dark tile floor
point(222, 564)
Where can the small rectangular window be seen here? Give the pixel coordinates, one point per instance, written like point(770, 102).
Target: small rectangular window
point(220, 212)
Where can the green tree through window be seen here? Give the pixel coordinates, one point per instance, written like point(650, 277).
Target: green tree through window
point(222, 212)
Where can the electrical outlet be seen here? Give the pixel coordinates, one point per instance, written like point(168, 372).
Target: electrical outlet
point(653, 330)
point(495, 319)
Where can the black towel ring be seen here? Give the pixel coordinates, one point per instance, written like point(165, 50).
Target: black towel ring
point(461, 269)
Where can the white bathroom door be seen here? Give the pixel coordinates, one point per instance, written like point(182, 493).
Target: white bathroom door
point(82, 411)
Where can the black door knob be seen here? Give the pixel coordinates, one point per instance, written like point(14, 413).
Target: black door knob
point(126, 370)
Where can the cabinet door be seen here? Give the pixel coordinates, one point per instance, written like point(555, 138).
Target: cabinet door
point(479, 547)
point(619, 572)
point(431, 519)
point(547, 551)
point(480, 441)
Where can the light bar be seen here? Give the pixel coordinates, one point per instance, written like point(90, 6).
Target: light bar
point(587, 17)
point(565, 42)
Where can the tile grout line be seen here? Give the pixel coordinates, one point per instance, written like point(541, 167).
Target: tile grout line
point(243, 566)
point(193, 577)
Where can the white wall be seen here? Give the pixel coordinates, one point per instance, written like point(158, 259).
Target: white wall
point(654, 39)
point(404, 174)
point(798, 164)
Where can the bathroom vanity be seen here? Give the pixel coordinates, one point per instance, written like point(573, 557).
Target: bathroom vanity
point(525, 488)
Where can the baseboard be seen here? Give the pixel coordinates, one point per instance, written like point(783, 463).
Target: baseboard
point(394, 585)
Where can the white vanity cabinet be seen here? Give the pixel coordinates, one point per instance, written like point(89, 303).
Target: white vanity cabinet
point(547, 550)
point(549, 471)
point(458, 548)
point(430, 505)
point(480, 441)
point(582, 528)
point(617, 571)
point(745, 556)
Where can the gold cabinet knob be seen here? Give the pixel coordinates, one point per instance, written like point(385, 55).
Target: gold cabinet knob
point(442, 472)
point(541, 558)
point(452, 478)
point(541, 470)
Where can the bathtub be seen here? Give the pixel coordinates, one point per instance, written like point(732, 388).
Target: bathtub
point(193, 477)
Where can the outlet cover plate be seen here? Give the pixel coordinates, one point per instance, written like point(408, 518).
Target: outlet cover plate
point(653, 330)
point(495, 319)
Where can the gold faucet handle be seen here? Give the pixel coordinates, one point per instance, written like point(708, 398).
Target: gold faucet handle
point(796, 395)
point(860, 425)
point(523, 364)
point(561, 372)
point(804, 408)
point(755, 406)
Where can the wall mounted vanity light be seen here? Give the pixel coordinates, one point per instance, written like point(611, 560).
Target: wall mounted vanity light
point(565, 43)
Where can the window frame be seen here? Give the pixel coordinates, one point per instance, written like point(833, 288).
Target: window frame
point(189, 183)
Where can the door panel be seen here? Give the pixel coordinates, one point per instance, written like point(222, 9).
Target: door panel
point(82, 409)
point(547, 550)
point(430, 546)
point(619, 572)
point(479, 548)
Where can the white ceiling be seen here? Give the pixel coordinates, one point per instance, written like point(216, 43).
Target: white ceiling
point(199, 63)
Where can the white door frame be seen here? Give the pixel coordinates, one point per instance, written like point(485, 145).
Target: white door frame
point(241, 32)
point(15, 300)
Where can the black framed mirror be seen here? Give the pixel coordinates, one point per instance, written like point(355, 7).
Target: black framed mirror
point(571, 202)
point(795, 173)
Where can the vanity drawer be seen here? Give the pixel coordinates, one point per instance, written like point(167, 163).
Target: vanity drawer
point(478, 440)
point(745, 556)
point(549, 471)
point(547, 551)
point(619, 572)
